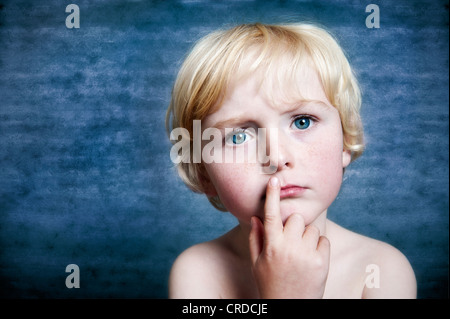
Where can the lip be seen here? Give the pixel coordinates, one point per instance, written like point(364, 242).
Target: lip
point(291, 191)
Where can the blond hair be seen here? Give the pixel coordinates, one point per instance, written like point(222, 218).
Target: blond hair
point(278, 50)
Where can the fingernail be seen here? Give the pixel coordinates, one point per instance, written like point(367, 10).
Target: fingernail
point(274, 182)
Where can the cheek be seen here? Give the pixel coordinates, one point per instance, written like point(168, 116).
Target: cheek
point(326, 163)
point(238, 187)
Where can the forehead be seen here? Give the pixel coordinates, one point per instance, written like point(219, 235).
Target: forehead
point(259, 95)
point(277, 88)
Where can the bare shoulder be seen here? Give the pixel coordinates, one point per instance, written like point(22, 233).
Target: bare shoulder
point(396, 277)
point(197, 270)
point(388, 272)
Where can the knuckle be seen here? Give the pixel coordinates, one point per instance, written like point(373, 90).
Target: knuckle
point(269, 218)
point(317, 262)
point(298, 218)
point(271, 251)
point(296, 221)
point(313, 229)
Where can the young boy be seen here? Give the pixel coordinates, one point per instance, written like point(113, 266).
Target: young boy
point(295, 82)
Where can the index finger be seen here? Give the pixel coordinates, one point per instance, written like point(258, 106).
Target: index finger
point(273, 224)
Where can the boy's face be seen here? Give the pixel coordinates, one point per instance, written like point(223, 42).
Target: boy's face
point(309, 153)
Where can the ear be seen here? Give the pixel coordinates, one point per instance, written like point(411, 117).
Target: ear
point(346, 158)
point(207, 185)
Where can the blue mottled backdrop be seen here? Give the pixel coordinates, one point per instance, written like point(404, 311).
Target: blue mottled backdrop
point(85, 173)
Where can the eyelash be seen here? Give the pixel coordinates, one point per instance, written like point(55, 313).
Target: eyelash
point(311, 118)
point(238, 130)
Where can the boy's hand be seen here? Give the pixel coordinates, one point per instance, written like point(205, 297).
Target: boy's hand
point(290, 261)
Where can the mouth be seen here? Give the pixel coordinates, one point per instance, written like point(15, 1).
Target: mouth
point(289, 191)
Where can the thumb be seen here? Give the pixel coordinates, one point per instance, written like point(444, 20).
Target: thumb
point(256, 238)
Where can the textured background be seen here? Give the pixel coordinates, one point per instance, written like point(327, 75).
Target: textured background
point(85, 173)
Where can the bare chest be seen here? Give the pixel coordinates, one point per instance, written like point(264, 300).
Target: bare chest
point(342, 283)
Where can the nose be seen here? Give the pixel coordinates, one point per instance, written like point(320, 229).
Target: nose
point(280, 152)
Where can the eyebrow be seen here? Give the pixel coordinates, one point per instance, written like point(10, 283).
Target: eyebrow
point(232, 122)
point(305, 103)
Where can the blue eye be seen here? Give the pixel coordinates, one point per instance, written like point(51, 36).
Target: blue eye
point(239, 138)
point(302, 123)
